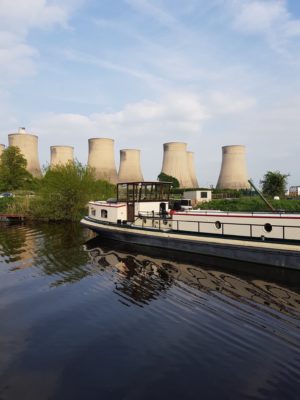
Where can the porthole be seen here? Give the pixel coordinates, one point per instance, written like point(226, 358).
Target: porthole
point(268, 228)
point(218, 225)
point(165, 222)
point(103, 213)
point(144, 220)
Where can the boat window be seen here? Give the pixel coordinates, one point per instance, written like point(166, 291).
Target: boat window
point(122, 192)
point(143, 191)
point(218, 224)
point(130, 192)
point(103, 213)
point(268, 228)
point(93, 212)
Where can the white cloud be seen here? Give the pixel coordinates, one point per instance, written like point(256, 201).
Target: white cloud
point(269, 19)
point(227, 103)
point(258, 17)
point(16, 60)
point(20, 16)
point(177, 113)
point(145, 125)
point(135, 72)
point(17, 17)
point(157, 12)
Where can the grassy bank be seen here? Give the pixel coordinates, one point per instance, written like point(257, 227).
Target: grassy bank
point(250, 204)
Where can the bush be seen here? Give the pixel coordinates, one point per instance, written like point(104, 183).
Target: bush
point(168, 178)
point(4, 204)
point(65, 192)
point(274, 184)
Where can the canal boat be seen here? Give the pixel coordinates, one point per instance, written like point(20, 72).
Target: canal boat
point(141, 214)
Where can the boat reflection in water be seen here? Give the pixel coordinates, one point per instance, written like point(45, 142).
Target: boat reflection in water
point(101, 320)
point(144, 274)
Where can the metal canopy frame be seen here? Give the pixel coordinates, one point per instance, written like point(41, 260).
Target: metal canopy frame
point(150, 191)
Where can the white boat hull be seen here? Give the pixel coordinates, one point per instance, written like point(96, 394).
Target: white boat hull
point(282, 255)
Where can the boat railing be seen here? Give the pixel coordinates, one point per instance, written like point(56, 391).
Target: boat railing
point(220, 228)
point(162, 223)
point(153, 215)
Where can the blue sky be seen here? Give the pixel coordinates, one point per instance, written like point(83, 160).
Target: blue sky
point(144, 72)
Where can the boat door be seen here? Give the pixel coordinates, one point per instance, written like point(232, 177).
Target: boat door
point(130, 212)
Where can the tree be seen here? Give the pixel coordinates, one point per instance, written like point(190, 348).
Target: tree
point(274, 183)
point(13, 173)
point(66, 190)
point(168, 178)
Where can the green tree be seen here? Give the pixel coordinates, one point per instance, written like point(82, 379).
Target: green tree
point(168, 178)
point(66, 190)
point(274, 183)
point(13, 173)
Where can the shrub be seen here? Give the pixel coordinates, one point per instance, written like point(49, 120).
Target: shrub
point(168, 178)
point(274, 184)
point(65, 192)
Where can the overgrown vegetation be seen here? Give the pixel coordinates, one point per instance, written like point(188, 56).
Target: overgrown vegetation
point(5, 203)
point(250, 204)
point(168, 178)
point(274, 184)
point(61, 195)
point(13, 173)
point(65, 192)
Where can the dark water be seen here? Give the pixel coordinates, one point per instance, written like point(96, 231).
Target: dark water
point(88, 319)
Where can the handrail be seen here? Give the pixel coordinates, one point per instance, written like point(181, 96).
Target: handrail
point(221, 228)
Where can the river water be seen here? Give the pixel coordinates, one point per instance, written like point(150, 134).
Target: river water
point(83, 318)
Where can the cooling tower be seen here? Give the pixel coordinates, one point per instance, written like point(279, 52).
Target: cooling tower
point(61, 155)
point(2, 147)
point(28, 145)
point(130, 166)
point(233, 174)
point(192, 169)
point(175, 163)
point(102, 159)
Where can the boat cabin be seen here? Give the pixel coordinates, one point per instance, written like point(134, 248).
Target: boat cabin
point(134, 200)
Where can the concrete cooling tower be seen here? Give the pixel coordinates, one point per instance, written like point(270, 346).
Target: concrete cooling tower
point(102, 159)
point(130, 166)
point(192, 169)
point(233, 174)
point(2, 148)
point(28, 145)
point(61, 155)
point(175, 163)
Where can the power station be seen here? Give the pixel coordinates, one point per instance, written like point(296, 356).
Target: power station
point(61, 155)
point(192, 169)
point(130, 166)
point(28, 145)
point(233, 174)
point(175, 163)
point(102, 159)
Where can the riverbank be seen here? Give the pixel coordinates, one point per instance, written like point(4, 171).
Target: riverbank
point(253, 203)
point(68, 207)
